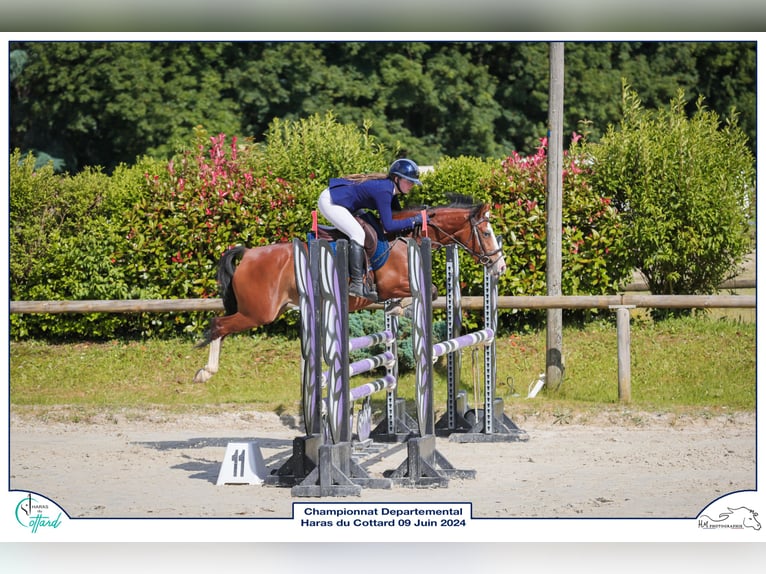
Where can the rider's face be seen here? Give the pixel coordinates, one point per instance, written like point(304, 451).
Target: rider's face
point(405, 185)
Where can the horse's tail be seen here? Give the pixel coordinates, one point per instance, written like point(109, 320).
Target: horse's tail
point(226, 270)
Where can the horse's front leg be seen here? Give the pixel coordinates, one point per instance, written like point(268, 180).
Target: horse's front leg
point(211, 368)
point(395, 307)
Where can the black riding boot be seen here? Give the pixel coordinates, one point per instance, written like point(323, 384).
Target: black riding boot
point(357, 267)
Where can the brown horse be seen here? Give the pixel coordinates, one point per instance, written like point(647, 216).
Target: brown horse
point(262, 286)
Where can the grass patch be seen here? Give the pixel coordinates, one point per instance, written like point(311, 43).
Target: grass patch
point(254, 370)
point(690, 362)
point(701, 363)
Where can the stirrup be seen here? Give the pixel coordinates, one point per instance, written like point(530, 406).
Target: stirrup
point(363, 292)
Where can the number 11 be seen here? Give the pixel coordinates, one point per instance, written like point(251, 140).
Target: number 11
point(239, 457)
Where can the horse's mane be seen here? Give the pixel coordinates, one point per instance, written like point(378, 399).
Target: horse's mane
point(461, 200)
point(456, 201)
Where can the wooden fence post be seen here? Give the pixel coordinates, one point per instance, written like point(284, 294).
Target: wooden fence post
point(554, 362)
point(623, 351)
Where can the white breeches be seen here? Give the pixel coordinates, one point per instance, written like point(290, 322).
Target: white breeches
point(340, 217)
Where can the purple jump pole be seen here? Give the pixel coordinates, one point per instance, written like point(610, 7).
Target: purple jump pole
point(371, 363)
point(385, 382)
point(485, 336)
point(366, 341)
point(368, 364)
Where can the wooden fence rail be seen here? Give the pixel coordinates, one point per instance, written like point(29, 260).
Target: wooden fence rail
point(117, 306)
point(503, 302)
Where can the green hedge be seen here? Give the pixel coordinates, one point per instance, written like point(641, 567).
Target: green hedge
point(67, 243)
point(593, 259)
point(156, 230)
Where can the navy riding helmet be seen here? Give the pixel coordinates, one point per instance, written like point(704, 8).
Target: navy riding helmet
point(405, 168)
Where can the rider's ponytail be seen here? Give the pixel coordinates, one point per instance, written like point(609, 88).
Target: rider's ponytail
point(362, 177)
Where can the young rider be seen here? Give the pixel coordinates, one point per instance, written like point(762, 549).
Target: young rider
point(378, 191)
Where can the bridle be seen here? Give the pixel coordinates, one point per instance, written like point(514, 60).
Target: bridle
point(484, 257)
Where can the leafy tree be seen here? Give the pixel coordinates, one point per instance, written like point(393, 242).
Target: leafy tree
point(103, 103)
point(685, 187)
point(722, 72)
point(727, 71)
point(283, 80)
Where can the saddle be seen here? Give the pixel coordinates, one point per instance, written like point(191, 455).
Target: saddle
point(375, 242)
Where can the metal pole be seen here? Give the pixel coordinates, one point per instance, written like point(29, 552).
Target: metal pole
point(454, 324)
point(490, 361)
point(392, 324)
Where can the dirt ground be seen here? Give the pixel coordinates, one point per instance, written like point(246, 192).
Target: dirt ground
point(619, 464)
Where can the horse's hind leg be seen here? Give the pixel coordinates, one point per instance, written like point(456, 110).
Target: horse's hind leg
point(211, 368)
point(219, 328)
point(262, 286)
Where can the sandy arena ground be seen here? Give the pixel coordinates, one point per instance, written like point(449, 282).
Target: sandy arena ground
point(618, 465)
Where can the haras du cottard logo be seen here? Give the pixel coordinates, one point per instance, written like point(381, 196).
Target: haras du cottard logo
point(35, 514)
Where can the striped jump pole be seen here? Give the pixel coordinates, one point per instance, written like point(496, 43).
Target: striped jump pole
point(386, 382)
point(485, 336)
point(323, 458)
point(305, 455)
point(385, 359)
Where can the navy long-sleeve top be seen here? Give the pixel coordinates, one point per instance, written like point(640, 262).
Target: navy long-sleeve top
point(377, 194)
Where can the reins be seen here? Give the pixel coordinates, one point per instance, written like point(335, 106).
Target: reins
point(484, 257)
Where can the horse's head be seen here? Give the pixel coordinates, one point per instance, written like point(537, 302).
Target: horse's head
point(467, 223)
point(748, 520)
